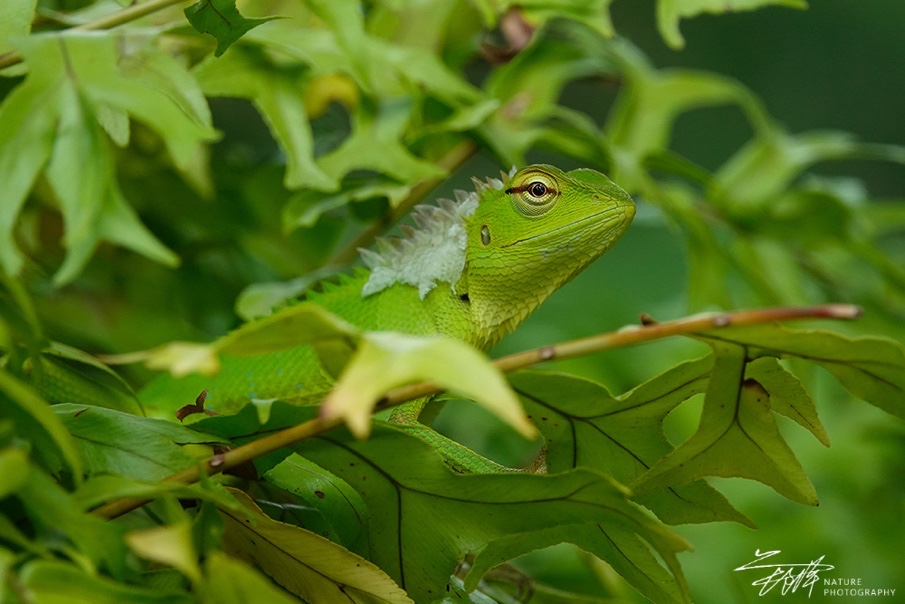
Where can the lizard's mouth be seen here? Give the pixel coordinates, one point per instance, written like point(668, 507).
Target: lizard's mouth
point(610, 221)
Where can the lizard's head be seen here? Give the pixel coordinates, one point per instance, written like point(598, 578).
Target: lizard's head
point(535, 234)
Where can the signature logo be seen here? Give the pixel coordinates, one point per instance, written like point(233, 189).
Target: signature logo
point(788, 577)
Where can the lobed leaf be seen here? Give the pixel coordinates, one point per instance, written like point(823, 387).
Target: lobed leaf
point(737, 436)
point(584, 426)
point(55, 119)
point(424, 518)
point(222, 20)
point(871, 368)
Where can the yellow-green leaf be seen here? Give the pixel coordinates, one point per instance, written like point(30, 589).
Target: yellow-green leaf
point(304, 563)
point(385, 361)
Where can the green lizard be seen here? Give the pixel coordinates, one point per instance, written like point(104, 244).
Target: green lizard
point(474, 270)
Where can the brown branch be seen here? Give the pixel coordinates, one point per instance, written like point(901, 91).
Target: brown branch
point(627, 336)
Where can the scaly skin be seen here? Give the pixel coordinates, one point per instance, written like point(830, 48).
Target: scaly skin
point(524, 241)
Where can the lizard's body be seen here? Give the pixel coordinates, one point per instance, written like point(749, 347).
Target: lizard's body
point(474, 270)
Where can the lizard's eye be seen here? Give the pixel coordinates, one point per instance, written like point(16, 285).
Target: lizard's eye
point(536, 193)
point(537, 189)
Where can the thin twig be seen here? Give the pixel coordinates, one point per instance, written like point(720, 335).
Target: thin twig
point(566, 350)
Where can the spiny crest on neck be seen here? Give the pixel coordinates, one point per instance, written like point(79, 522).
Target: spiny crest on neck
point(432, 253)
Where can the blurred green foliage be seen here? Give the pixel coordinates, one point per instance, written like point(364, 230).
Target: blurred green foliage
point(154, 190)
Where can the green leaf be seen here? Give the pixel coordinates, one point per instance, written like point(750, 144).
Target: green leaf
point(871, 368)
point(228, 581)
point(737, 436)
point(285, 330)
point(304, 563)
point(583, 425)
point(129, 445)
point(386, 360)
point(29, 112)
point(594, 13)
point(54, 516)
point(68, 375)
point(555, 58)
point(13, 470)
point(170, 545)
point(36, 422)
point(669, 12)
point(376, 144)
point(222, 20)
point(15, 20)
point(787, 396)
point(277, 92)
point(424, 518)
point(100, 489)
point(339, 509)
point(760, 171)
point(640, 124)
point(54, 113)
point(58, 583)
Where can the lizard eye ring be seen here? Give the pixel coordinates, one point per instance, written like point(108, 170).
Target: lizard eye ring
point(535, 194)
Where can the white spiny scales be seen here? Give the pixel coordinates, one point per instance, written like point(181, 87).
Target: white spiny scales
point(432, 253)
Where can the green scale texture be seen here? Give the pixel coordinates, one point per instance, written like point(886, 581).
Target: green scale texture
point(525, 239)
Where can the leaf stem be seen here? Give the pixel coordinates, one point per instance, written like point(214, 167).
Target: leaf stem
point(120, 17)
point(627, 336)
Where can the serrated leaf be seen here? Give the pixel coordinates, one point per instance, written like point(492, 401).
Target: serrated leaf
point(129, 445)
point(424, 518)
point(669, 12)
point(737, 436)
point(222, 20)
point(622, 548)
point(385, 361)
point(306, 564)
point(583, 425)
point(641, 122)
